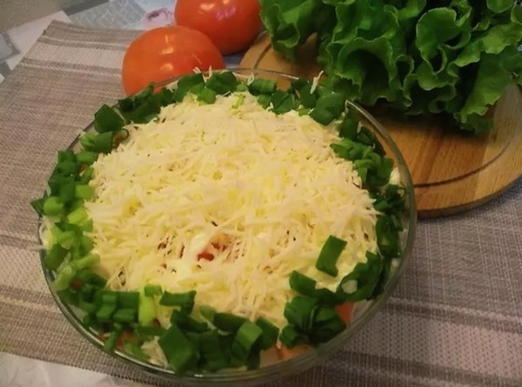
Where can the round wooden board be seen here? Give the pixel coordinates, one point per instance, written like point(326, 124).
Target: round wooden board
point(451, 171)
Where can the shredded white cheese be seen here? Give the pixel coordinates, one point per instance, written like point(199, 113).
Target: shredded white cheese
point(259, 192)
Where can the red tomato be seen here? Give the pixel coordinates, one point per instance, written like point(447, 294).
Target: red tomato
point(205, 255)
point(345, 311)
point(285, 353)
point(164, 53)
point(231, 24)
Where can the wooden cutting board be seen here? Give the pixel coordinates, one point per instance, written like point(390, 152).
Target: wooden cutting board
point(451, 171)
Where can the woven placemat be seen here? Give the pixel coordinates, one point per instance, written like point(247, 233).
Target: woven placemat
point(455, 318)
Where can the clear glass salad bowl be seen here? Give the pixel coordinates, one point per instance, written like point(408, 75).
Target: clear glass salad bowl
point(362, 313)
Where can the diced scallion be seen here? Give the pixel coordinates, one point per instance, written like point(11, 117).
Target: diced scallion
point(330, 252)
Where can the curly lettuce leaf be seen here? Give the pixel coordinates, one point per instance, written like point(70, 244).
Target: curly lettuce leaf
point(289, 22)
point(419, 56)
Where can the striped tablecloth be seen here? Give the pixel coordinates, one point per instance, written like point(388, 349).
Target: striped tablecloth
point(455, 318)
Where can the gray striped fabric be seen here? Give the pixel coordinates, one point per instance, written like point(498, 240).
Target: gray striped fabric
point(455, 319)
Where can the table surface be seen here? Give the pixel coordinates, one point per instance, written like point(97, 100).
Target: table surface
point(480, 234)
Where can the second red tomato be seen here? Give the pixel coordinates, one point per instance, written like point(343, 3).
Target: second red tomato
point(231, 24)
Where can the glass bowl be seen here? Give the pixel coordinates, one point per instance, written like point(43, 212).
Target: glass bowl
point(362, 312)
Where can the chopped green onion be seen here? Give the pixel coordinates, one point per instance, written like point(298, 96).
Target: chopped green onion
point(187, 323)
point(330, 252)
point(67, 164)
point(207, 312)
point(84, 191)
point(53, 206)
point(109, 297)
point(303, 111)
point(360, 284)
point(89, 307)
point(348, 127)
point(282, 102)
point(110, 343)
point(131, 102)
point(86, 244)
point(212, 351)
point(241, 87)
point(300, 312)
point(222, 82)
point(68, 296)
point(328, 324)
point(166, 96)
point(150, 330)
point(228, 322)
point(89, 320)
point(146, 310)
point(254, 360)
point(246, 336)
point(64, 277)
point(56, 181)
point(37, 205)
point(270, 333)
point(107, 119)
point(54, 257)
point(145, 111)
point(105, 312)
point(262, 86)
point(67, 192)
point(388, 238)
point(185, 84)
point(78, 216)
point(100, 143)
point(302, 284)
point(86, 175)
point(290, 337)
point(328, 108)
point(135, 350)
point(119, 136)
point(125, 315)
point(128, 299)
point(87, 291)
point(206, 95)
point(239, 101)
point(183, 300)
point(85, 157)
point(303, 88)
point(152, 290)
point(323, 116)
point(263, 100)
point(180, 352)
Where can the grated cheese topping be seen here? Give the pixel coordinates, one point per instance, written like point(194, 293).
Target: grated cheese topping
point(227, 199)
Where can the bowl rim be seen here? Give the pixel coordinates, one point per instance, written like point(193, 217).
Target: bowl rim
point(305, 359)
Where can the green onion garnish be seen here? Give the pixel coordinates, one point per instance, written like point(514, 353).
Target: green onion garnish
point(187, 323)
point(54, 257)
point(222, 82)
point(152, 290)
point(125, 315)
point(282, 102)
point(212, 352)
point(107, 120)
point(228, 322)
point(332, 249)
point(183, 300)
point(99, 143)
point(53, 206)
point(270, 333)
point(262, 86)
point(245, 338)
point(180, 352)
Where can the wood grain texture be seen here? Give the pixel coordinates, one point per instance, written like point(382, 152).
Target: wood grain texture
point(451, 171)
